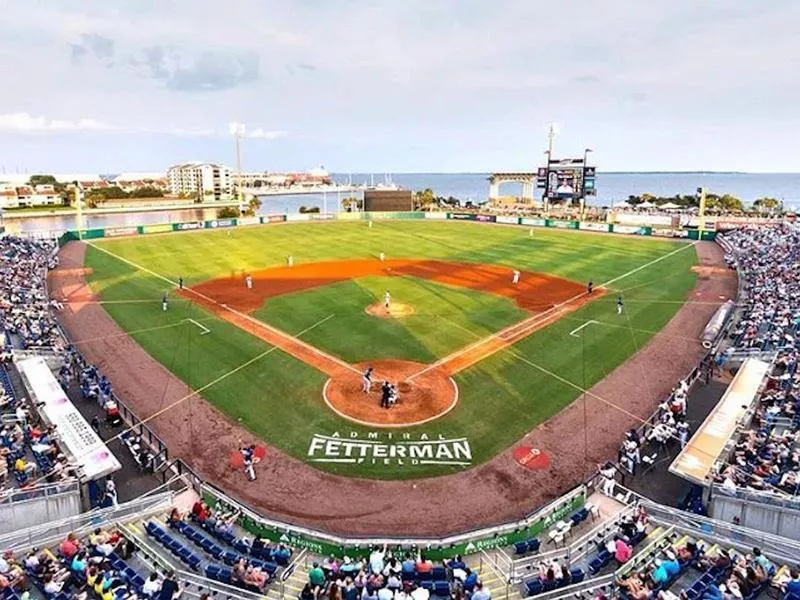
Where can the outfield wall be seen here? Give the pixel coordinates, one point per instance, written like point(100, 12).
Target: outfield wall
point(594, 226)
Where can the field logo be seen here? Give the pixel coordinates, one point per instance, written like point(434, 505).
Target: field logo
point(389, 449)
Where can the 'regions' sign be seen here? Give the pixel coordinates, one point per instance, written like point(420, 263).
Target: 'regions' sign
point(389, 449)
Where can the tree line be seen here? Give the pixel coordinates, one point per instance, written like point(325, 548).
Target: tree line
point(720, 202)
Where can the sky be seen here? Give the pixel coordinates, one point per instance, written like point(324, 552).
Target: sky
point(393, 86)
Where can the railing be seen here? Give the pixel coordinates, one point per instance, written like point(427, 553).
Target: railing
point(464, 543)
point(606, 584)
point(783, 500)
point(779, 549)
point(39, 491)
point(41, 535)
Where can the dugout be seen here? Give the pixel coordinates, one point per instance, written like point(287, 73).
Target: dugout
point(388, 200)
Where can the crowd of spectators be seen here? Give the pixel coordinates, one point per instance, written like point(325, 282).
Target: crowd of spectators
point(25, 309)
point(388, 575)
point(766, 455)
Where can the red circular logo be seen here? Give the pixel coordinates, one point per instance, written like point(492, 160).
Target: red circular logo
point(531, 458)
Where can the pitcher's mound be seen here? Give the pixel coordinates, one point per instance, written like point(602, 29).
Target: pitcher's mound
point(396, 310)
point(419, 400)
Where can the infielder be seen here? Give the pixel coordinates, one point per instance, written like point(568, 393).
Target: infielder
point(515, 278)
point(382, 257)
point(530, 232)
point(366, 379)
point(164, 302)
point(290, 260)
point(248, 281)
point(590, 287)
point(387, 300)
point(619, 305)
point(180, 283)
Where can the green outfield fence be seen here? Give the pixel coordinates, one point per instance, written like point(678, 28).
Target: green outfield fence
point(665, 232)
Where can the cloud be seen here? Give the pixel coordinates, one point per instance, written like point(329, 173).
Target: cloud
point(95, 45)
point(25, 123)
point(209, 71)
point(262, 134)
point(22, 122)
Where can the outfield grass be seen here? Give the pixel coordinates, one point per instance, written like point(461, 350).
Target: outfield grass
point(501, 398)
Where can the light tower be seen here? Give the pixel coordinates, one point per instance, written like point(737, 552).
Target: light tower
point(238, 131)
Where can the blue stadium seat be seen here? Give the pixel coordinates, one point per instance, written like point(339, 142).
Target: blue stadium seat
point(533, 587)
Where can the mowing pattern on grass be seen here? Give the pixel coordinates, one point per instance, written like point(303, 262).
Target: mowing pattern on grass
point(501, 398)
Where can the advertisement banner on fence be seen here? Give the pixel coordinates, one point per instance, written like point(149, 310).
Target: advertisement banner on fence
point(162, 228)
point(533, 222)
point(322, 217)
point(120, 231)
point(292, 217)
point(189, 226)
point(249, 220)
point(634, 219)
point(439, 216)
point(485, 218)
point(668, 232)
point(631, 229)
point(463, 216)
point(507, 220)
point(221, 223)
point(349, 216)
point(593, 226)
point(283, 218)
point(562, 224)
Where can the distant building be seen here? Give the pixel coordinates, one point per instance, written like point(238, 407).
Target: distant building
point(211, 181)
point(16, 196)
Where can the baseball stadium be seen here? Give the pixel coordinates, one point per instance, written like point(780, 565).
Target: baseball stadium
point(449, 404)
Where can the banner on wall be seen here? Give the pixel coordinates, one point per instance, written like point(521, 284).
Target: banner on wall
point(631, 229)
point(162, 228)
point(593, 226)
point(668, 232)
point(291, 217)
point(507, 220)
point(463, 216)
point(284, 218)
point(349, 216)
point(221, 223)
point(120, 231)
point(636, 219)
point(562, 224)
point(439, 216)
point(485, 218)
point(189, 226)
point(533, 222)
point(249, 220)
point(322, 216)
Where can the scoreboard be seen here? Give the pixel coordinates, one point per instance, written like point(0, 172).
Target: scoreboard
point(566, 179)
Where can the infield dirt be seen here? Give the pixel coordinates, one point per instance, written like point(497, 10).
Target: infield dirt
point(494, 492)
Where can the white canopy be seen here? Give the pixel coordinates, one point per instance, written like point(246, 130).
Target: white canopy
point(622, 204)
point(670, 206)
point(645, 204)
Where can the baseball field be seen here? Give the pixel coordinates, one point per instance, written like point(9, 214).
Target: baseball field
point(477, 361)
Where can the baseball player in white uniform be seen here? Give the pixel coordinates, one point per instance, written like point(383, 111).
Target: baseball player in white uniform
point(382, 257)
point(366, 380)
point(515, 277)
point(387, 300)
point(248, 281)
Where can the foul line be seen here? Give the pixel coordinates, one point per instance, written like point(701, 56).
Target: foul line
point(203, 329)
point(577, 329)
point(537, 318)
point(212, 301)
point(208, 385)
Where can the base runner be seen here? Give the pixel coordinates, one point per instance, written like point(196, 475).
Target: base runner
point(387, 300)
point(515, 277)
point(619, 305)
point(164, 302)
point(248, 281)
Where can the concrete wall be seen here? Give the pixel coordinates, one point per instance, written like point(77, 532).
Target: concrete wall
point(768, 518)
point(23, 513)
